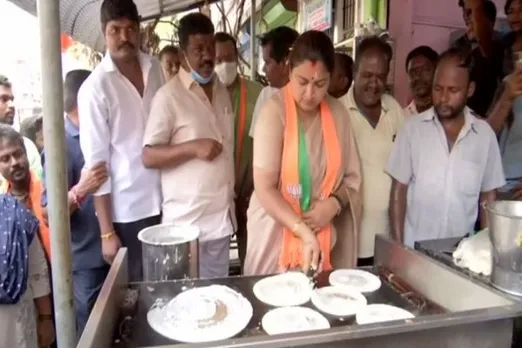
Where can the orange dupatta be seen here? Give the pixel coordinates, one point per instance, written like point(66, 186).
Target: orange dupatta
point(35, 197)
point(291, 251)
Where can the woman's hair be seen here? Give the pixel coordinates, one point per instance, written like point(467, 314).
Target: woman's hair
point(314, 46)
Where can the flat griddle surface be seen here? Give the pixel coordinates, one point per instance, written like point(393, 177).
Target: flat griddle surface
point(144, 336)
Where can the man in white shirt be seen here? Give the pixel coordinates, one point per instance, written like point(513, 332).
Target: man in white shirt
point(190, 137)
point(7, 114)
point(444, 162)
point(420, 66)
point(276, 46)
point(114, 104)
point(376, 118)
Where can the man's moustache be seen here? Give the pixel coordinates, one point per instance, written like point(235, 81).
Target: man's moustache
point(126, 44)
point(16, 172)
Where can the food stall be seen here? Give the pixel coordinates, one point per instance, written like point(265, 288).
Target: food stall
point(450, 309)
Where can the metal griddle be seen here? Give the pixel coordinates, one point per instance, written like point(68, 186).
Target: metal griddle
point(144, 336)
point(442, 251)
point(453, 310)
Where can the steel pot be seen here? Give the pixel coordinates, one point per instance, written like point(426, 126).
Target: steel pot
point(169, 252)
point(505, 231)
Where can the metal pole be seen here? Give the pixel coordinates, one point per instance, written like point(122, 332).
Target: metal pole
point(56, 178)
point(253, 65)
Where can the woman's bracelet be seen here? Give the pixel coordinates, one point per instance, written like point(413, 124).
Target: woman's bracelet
point(296, 225)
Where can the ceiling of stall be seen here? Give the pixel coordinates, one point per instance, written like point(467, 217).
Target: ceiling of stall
point(81, 18)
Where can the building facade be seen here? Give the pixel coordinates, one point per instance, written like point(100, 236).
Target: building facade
point(424, 22)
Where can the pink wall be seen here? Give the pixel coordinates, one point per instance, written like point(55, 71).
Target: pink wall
point(421, 22)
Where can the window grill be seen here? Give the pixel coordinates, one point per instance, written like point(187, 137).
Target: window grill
point(348, 8)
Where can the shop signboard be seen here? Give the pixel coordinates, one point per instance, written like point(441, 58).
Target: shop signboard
point(317, 14)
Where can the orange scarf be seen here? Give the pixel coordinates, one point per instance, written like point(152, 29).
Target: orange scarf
point(291, 252)
point(35, 197)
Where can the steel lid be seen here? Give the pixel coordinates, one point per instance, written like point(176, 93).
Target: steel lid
point(168, 234)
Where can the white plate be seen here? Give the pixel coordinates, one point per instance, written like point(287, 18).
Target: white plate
point(340, 301)
point(361, 281)
point(284, 290)
point(205, 314)
point(293, 319)
point(378, 313)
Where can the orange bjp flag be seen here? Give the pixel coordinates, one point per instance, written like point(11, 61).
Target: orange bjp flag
point(66, 42)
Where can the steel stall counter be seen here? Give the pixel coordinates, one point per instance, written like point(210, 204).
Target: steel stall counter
point(474, 315)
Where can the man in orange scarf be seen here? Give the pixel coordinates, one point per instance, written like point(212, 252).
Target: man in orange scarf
point(20, 181)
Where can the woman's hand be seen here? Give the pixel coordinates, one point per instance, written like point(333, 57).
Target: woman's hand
point(46, 334)
point(311, 249)
point(321, 214)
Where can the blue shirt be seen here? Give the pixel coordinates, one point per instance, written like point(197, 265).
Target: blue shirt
point(510, 147)
point(85, 230)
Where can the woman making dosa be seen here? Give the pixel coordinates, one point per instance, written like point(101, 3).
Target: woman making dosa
point(305, 206)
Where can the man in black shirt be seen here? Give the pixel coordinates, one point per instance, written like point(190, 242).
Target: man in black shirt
point(487, 51)
point(466, 41)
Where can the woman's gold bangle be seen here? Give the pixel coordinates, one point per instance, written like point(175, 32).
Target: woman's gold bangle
point(296, 226)
point(107, 235)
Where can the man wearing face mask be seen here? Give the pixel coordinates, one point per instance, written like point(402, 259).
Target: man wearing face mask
point(376, 117)
point(243, 94)
point(190, 138)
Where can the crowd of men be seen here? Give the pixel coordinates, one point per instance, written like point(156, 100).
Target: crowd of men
point(165, 140)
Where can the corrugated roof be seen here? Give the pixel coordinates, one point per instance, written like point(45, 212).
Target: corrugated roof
point(81, 18)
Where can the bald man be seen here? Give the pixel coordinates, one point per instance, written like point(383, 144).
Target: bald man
point(376, 118)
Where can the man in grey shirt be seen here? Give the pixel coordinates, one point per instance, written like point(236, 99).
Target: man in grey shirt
point(444, 161)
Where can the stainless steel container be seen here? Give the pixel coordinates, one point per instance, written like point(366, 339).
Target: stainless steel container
point(169, 252)
point(505, 226)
